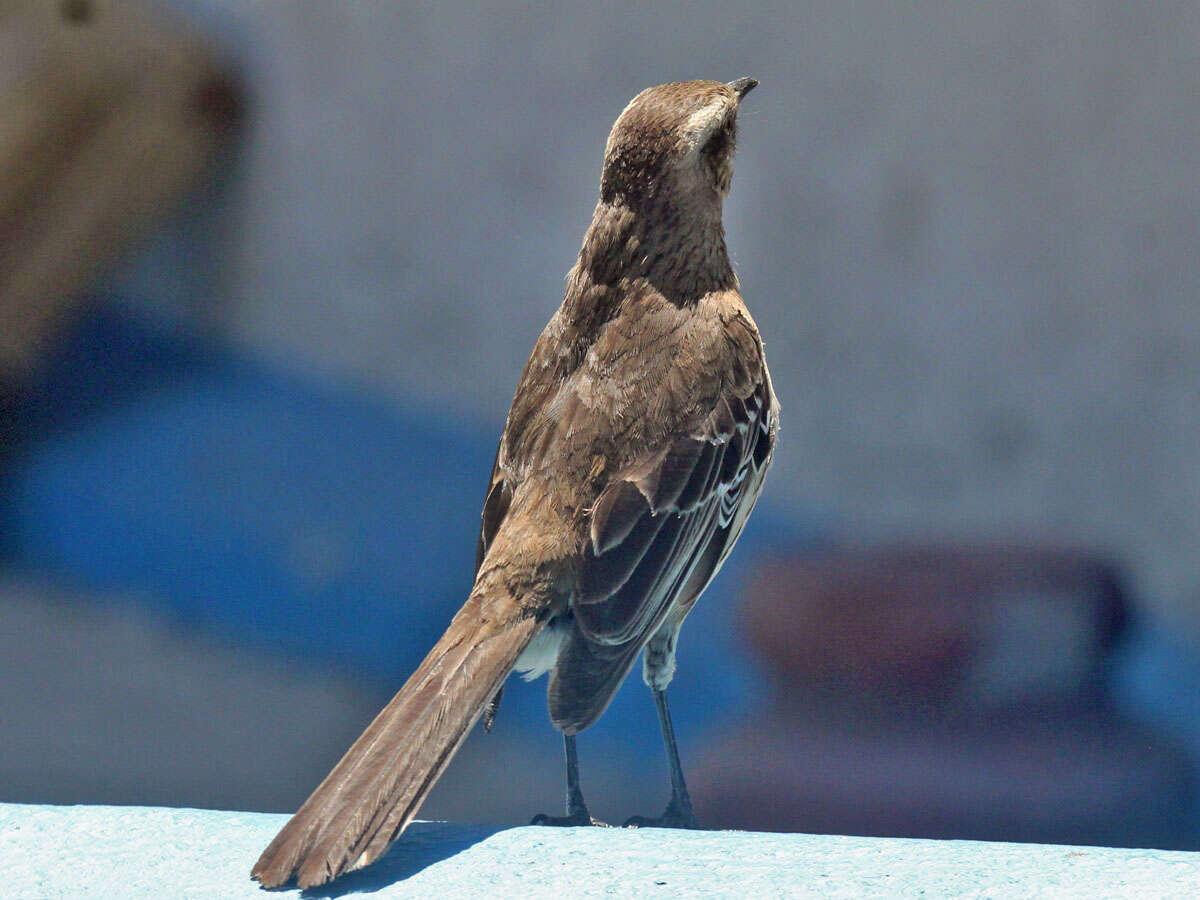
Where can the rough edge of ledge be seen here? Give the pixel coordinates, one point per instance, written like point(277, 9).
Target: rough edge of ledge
point(132, 852)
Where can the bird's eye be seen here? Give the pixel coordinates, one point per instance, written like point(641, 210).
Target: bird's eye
point(721, 140)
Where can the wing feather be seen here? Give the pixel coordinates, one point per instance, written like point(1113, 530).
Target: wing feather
point(689, 502)
point(668, 513)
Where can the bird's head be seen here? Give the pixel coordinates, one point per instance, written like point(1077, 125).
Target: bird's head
point(674, 143)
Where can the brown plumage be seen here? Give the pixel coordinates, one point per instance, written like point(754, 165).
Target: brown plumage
point(634, 450)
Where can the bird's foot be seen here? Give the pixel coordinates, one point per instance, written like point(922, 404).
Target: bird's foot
point(581, 818)
point(676, 816)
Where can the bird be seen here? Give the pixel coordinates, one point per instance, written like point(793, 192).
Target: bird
point(635, 449)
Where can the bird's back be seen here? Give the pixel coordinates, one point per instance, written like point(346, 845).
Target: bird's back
point(655, 441)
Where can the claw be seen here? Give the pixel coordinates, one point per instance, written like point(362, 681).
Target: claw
point(673, 817)
point(576, 820)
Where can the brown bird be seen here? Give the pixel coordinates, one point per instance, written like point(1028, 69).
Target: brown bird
point(634, 451)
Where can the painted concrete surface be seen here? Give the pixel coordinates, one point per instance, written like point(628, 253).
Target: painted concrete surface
point(133, 852)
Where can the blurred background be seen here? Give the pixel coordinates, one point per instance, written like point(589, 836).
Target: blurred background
point(269, 273)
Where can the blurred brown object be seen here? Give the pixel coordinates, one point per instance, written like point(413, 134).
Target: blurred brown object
point(944, 691)
point(108, 113)
point(969, 626)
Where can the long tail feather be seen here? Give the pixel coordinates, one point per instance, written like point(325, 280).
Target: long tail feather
point(375, 790)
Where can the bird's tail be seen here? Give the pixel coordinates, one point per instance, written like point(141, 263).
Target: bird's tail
point(374, 792)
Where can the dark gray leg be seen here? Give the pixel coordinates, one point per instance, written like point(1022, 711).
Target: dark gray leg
point(577, 811)
point(679, 810)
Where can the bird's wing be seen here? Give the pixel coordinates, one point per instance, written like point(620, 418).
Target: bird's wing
point(495, 508)
point(652, 523)
point(660, 529)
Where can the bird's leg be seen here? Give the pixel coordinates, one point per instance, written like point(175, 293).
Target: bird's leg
point(679, 810)
point(577, 811)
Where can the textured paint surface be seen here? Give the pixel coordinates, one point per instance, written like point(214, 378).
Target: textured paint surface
point(131, 852)
point(966, 230)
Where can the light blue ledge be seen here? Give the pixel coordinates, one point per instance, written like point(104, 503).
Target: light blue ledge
point(136, 852)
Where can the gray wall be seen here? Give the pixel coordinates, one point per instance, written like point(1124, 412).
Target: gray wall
point(967, 232)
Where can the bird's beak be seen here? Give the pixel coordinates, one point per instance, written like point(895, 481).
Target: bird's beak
point(743, 86)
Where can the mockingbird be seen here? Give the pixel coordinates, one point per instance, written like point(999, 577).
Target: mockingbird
point(634, 451)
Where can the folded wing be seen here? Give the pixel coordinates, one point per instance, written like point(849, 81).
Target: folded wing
point(660, 530)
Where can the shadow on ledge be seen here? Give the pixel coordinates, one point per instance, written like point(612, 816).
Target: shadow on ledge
point(424, 844)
